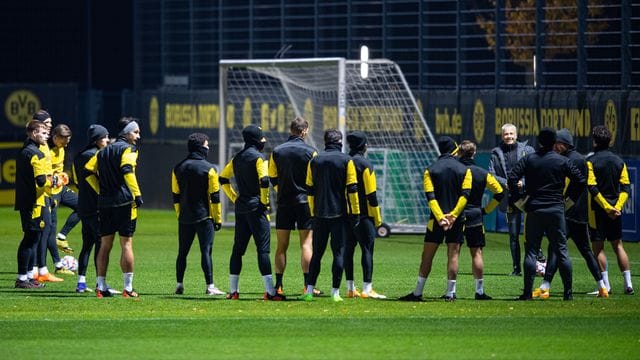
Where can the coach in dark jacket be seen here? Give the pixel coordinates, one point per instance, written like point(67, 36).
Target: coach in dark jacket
point(545, 172)
point(503, 158)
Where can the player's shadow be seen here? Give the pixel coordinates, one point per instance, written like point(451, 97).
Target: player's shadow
point(243, 297)
point(490, 274)
point(41, 293)
point(192, 298)
point(400, 240)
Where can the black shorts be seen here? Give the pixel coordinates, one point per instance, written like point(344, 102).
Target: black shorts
point(120, 219)
point(606, 228)
point(36, 219)
point(474, 236)
point(436, 234)
point(288, 216)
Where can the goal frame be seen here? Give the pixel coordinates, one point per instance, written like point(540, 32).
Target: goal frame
point(225, 64)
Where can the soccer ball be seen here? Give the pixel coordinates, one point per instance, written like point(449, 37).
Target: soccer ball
point(70, 263)
point(541, 267)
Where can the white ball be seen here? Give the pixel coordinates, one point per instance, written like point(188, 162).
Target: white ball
point(541, 268)
point(69, 262)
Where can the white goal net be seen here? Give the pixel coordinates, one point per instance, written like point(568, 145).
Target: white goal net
point(330, 93)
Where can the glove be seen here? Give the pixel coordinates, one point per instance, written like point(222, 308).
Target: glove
point(138, 201)
point(217, 226)
point(354, 221)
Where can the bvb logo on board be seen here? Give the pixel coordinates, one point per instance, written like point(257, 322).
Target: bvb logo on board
point(154, 115)
point(611, 119)
point(478, 121)
point(20, 107)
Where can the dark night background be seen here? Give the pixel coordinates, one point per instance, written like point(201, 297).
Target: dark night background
point(82, 41)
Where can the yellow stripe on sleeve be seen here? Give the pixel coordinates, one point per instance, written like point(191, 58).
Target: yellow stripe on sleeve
point(273, 170)
point(227, 174)
point(352, 179)
point(263, 180)
point(215, 209)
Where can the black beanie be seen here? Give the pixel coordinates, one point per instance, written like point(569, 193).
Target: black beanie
point(564, 136)
point(96, 132)
point(41, 115)
point(357, 140)
point(252, 134)
point(447, 145)
point(547, 137)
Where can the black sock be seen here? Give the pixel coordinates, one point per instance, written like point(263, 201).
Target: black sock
point(306, 279)
point(278, 280)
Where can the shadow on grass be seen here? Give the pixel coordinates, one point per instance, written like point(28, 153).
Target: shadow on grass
point(399, 240)
point(243, 297)
point(492, 274)
point(192, 298)
point(44, 292)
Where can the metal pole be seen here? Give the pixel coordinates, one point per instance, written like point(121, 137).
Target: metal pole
point(540, 42)
point(458, 52)
point(191, 47)
point(222, 126)
point(421, 67)
point(89, 59)
point(581, 76)
point(342, 101)
point(499, 16)
point(625, 49)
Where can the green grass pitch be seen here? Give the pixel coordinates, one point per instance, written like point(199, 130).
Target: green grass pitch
point(55, 322)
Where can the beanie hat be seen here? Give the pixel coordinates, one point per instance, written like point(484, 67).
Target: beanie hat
point(547, 137)
point(41, 115)
point(357, 140)
point(447, 145)
point(252, 134)
point(564, 136)
point(96, 132)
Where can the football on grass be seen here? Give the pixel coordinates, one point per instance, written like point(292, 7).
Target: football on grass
point(70, 263)
point(541, 267)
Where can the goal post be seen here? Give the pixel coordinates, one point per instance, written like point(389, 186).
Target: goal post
point(330, 93)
